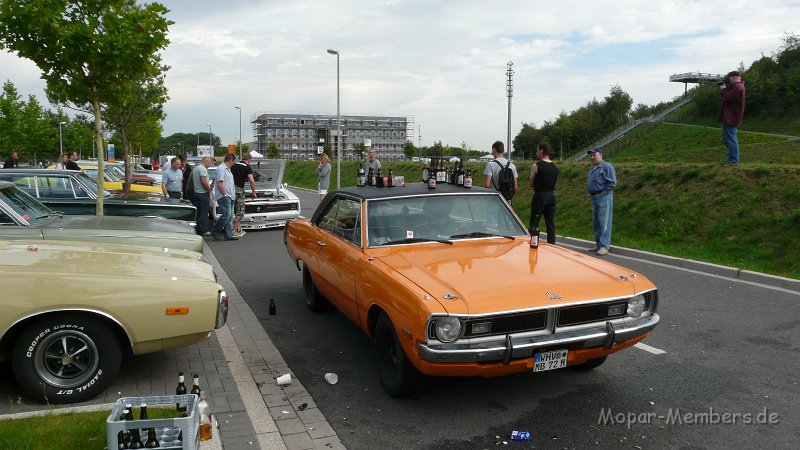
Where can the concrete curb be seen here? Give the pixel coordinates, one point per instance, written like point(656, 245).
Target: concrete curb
point(690, 264)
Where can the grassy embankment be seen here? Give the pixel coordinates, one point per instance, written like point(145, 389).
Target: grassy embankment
point(674, 197)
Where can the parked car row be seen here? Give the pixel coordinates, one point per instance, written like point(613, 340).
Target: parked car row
point(81, 286)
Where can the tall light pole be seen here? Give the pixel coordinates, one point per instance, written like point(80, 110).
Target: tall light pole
point(338, 125)
point(209, 141)
point(60, 140)
point(510, 93)
point(240, 131)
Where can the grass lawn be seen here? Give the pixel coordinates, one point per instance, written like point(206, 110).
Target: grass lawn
point(63, 431)
point(746, 216)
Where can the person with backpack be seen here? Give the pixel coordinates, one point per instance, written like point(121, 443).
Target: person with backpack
point(501, 174)
point(601, 183)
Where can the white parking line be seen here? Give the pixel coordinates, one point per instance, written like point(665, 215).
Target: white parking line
point(647, 348)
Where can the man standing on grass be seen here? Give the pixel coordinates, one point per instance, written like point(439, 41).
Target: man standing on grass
point(601, 183)
point(731, 113)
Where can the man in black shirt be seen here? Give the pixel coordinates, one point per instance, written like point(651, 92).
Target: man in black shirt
point(12, 162)
point(544, 175)
point(71, 164)
point(242, 172)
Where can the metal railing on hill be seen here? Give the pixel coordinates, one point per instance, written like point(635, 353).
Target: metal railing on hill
point(628, 127)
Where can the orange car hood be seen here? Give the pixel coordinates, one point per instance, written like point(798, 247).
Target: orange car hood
point(495, 275)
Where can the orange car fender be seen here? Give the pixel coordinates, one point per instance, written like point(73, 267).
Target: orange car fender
point(380, 289)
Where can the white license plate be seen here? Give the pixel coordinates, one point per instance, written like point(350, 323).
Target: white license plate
point(258, 219)
point(556, 359)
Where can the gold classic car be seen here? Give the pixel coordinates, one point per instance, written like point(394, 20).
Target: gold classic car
point(69, 310)
point(446, 283)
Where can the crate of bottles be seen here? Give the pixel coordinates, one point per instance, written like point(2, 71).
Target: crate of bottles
point(171, 433)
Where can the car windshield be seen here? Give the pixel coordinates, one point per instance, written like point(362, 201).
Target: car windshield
point(439, 218)
point(26, 206)
point(90, 183)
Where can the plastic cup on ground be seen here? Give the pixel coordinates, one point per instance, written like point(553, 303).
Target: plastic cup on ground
point(331, 378)
point(284, 379)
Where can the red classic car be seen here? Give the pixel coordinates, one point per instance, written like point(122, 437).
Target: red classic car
point(446, 283)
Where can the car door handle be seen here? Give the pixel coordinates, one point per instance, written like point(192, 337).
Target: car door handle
point(321, 243)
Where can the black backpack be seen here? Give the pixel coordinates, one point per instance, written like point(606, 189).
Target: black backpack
point(505, 180)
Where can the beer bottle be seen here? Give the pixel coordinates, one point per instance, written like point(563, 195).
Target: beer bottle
point(535, 232)
point(360, 181)
point(390, 179)
point(468, 179)
point(371, 177)
point(425, 173)
point(136, 438)
point(124, 436)
point(460, 175)
point(152, 441)
point(196, 384)
point(181, 406)
point(379, 178)
point(204, 413)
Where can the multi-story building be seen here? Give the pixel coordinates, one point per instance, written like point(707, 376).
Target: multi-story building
point(302, 136)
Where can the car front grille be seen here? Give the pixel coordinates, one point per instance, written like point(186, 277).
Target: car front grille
point(268, 208)
point(511, 323)
point(576, 315)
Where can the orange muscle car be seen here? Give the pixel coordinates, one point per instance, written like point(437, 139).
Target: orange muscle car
point(446, 283)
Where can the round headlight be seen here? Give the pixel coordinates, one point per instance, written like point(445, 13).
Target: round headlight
point(447, 329)
point(636, 306)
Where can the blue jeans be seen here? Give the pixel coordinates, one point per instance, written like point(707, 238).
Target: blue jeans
point(225, 222)
point(201, 202)
point(602, 211)
point(731, 141)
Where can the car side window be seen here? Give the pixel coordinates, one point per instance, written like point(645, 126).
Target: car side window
point(25, 183)
point(54, 187)
point(343, 219)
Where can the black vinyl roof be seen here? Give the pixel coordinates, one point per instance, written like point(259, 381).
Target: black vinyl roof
point(371, 192)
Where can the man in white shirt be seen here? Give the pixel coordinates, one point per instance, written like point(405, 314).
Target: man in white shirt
point(223, 193)
point(492, 170)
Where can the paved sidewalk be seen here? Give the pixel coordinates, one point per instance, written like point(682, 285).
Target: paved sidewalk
point(238, 366)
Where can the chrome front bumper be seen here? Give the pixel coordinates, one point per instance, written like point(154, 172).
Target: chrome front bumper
point(523, 347)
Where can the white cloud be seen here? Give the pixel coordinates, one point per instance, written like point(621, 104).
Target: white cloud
point(443, 62)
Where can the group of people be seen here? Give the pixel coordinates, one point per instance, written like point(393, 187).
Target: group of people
point(601, 181)
point(229, 195)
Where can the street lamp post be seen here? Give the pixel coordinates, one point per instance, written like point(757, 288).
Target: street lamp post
point(209, 141)
point(510, 93)
point(338, 125)
point(240, 131)
point(60, 140)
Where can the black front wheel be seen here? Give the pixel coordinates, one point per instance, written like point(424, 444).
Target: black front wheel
point(66, 358)
point(397, 374)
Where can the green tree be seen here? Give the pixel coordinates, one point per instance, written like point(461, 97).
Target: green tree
point(359, 149)
point(409, 150)
point(87, 49)
point(138, 110)
point(10, 119)
point(273, 151)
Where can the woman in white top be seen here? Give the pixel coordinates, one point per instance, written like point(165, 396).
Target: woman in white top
point(62, 162)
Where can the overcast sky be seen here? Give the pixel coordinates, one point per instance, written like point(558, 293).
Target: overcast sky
point(441, 61)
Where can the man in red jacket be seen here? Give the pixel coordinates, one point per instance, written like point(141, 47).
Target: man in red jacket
point(731, 114)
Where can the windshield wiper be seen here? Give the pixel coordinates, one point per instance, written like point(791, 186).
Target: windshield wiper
point(418, 239)
point(48, 215)
point(478, 234)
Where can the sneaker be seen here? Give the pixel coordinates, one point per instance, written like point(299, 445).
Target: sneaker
point(215, 236)
point(593, 250)
point(233, 238)
point(207, 233)
point(602, 251)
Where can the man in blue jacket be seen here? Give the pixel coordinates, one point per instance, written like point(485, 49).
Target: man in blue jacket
point(601, 183)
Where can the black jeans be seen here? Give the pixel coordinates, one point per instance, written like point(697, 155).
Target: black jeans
point(544, 204)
